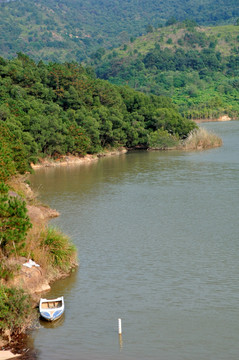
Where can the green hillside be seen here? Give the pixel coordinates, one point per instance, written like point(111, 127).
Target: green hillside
point(57, 109)
point(67, 30)
point(198, 67)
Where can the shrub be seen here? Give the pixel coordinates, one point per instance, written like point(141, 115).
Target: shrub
point(7, 271)
point(161, 140)
point(14, 222)
point(15, 308)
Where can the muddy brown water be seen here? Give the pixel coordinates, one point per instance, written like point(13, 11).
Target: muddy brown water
point(158, 241)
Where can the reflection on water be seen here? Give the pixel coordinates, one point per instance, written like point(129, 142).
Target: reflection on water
point(157, 235)
point(52, 324)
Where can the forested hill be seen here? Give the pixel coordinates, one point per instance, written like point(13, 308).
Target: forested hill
point(67, 30)
point(57, 109)
point(198, 67)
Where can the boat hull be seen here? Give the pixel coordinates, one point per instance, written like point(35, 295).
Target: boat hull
point(52, 309)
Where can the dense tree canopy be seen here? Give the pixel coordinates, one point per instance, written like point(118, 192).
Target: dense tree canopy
point(61, 108)
point(69, 30)
point(13, 154)
point(197, 67)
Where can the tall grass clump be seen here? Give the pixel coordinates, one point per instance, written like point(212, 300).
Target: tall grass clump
point(7, 270)
point(60, 252)
point(199, 139)
point(15, 308)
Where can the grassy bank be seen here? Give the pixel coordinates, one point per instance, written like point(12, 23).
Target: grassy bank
point(25, 235)
point(198, 139)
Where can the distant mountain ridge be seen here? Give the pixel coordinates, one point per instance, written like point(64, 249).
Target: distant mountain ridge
point(70, 30)
point(198, 67)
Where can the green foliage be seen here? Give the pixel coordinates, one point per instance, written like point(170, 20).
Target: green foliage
point(73, 30)
point(171, 21)
point(8, 270)
point(171, 121)
point(80, 142)
point(201, 65)
point(12, 153)
point(14, 222)
point(58, 248)
point(149, 28)
point(180, 60)
point(161, 140)
point(15, 307)
point(61, 108)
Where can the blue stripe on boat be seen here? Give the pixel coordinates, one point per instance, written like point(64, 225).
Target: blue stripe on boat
point(46, 314)
point(57, 313)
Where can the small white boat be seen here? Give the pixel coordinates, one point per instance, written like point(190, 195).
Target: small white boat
point(52, 309)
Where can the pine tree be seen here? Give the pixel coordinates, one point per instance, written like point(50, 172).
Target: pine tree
point(14, 222)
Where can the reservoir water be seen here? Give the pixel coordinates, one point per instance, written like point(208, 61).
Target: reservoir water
point(157, 235)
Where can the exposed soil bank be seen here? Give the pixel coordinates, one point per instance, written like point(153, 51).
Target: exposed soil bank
point(68, 160)
point(7, 354)
point(221, 118)
point(33, 279)
point(36, 279)
point(20, 348)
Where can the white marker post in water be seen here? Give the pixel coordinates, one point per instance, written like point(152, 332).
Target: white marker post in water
point(119, 327)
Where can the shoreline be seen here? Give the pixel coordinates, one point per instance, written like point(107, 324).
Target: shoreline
point(7, 355)
point(69, 160)
point(37, 278)
point(220, 119)
point(40, 215)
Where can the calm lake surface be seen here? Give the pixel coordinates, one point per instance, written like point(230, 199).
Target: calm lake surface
point(158, 241)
